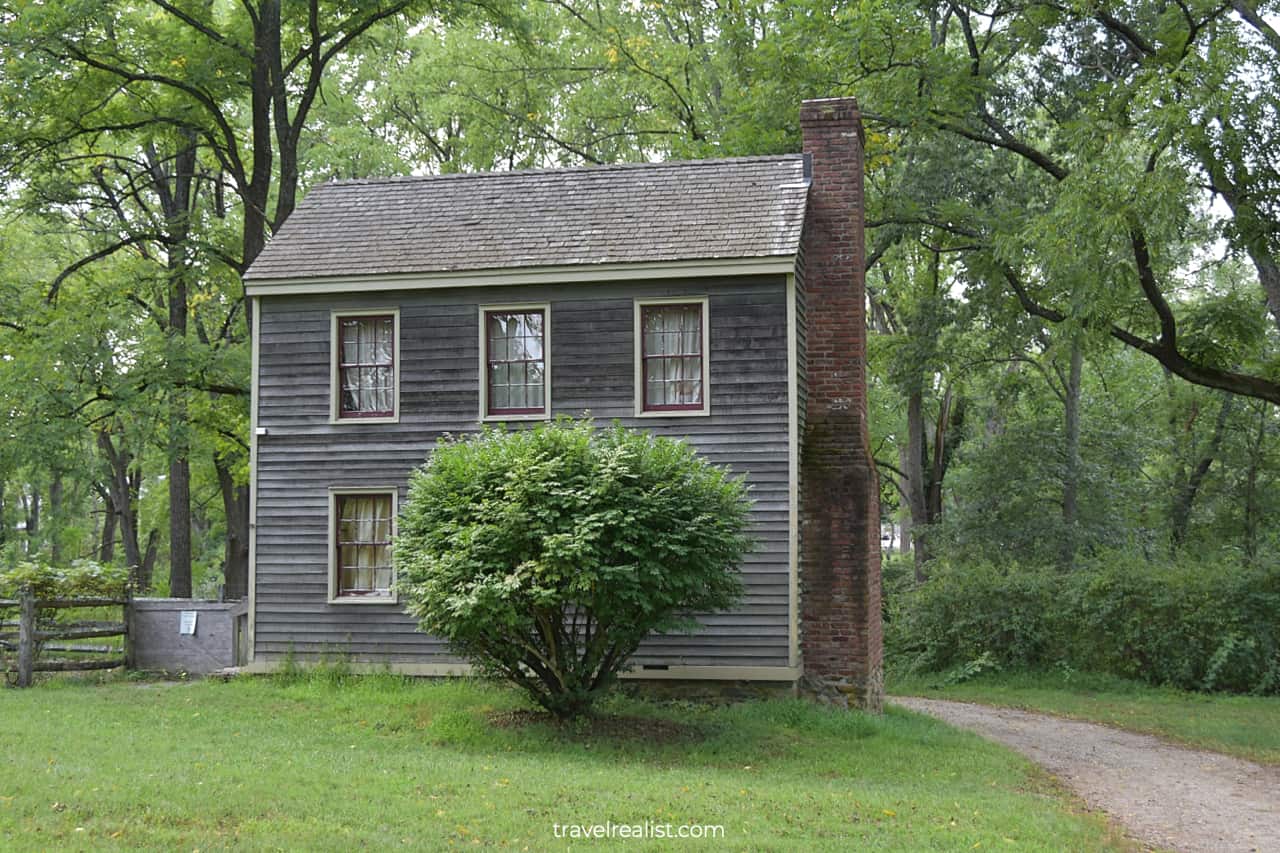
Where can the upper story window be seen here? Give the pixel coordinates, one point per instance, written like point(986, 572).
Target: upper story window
point(516, 379)
point(365, 365)
point(671, 365)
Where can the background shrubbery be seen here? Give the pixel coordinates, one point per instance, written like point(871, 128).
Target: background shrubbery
point(83, 578)
point(1196, 624)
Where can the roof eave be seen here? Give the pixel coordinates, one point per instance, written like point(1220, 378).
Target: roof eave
point(510, 276)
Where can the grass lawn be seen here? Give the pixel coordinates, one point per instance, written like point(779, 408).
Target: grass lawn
point(332, 763)
point(1247, 726)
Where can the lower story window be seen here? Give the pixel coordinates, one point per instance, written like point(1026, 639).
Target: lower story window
point(362, 545)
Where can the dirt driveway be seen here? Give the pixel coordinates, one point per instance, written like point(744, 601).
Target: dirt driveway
point(1164, 795)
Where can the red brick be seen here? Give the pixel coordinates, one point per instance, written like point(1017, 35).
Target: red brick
point(839, 500)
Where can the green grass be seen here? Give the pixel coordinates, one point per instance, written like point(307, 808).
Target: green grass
point(1247, 726)
point(336, 763)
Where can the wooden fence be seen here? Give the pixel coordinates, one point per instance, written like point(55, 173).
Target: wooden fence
point(33, 634)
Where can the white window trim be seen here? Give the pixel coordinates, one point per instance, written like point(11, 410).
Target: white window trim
point(335, 392)
point(638, 357)
point(545, 415)
point(332, 533)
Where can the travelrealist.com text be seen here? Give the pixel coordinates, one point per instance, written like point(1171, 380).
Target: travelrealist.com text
point(647, 829)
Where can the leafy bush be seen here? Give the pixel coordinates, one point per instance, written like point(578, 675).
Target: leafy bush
point(1198, 625)
point(546, 555)
point(965, 612)
point(83, 578)
point(1204, 625)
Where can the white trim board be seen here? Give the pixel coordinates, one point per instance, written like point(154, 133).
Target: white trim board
point(672, 673)
point(556, 275)
point(793, 476)
point(256, 307)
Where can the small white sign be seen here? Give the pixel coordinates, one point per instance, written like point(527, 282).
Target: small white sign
point(187, 624)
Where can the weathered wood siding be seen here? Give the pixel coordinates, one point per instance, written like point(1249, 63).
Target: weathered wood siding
point(304, 455)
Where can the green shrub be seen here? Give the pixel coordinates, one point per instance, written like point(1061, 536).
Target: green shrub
point(1196, 624)
point(546, 555)
point(82, 579)
point(1202, 625)
point(966, 613)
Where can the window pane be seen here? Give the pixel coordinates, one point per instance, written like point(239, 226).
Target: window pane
point(654, 395)
point(499, 343)
point(350, 346)
point(383, 351)
point(500, 397)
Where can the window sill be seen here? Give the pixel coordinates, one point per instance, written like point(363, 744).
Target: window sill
point(497, 419)
point(674, 413)
point(391, 419)
point(365, 600)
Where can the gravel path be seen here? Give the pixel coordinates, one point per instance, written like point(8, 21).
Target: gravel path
point(1164, 795)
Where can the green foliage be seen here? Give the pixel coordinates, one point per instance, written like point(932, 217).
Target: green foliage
point(82, 579)
point(1195, 624)
point(963, 613)
point(546, 555)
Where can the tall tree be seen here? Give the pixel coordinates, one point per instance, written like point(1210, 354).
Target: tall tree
point(84, 74)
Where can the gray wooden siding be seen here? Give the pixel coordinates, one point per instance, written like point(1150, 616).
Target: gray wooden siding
point(303, 455)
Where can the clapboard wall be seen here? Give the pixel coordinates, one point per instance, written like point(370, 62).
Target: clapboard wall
point(302, 455)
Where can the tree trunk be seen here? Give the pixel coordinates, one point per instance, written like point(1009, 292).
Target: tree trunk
point(55, 516)
point(177, 208)
point(1071, 463)
point(946, 436)
point(107, 545)
point(257, 192)
point(1269, 275)
point(905, 541)
point(235, 501)
point(33, 521)
point(1185, 497)
point(122, 490)
point(146, 570)
point(180, 528)
point(1251, 514)
point(917, 462)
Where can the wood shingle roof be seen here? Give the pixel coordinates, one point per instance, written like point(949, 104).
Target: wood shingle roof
point(750, 207)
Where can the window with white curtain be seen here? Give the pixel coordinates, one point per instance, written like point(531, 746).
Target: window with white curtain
point(671, 351)
point(366, 366)
point(362, 545)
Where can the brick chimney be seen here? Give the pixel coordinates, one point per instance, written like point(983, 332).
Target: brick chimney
point(841, 639)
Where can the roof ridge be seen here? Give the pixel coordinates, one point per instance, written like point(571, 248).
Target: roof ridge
point(560, 170)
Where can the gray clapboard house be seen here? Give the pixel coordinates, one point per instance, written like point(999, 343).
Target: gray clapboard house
point(669, 296)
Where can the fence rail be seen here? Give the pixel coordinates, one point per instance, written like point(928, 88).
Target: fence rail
point(32, 635)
